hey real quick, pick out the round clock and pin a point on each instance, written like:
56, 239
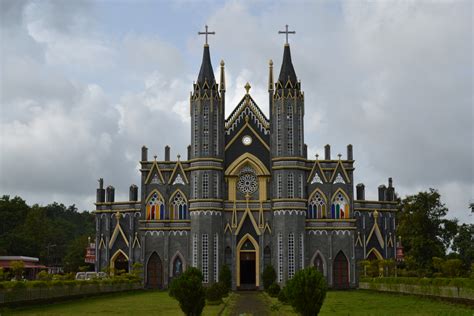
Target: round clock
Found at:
246, 140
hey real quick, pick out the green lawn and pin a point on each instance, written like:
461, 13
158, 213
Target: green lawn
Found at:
361, 302
129, 303
159, 303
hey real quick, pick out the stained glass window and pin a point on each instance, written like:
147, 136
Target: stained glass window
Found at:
317, 206
179, 206
340, 206
155, 207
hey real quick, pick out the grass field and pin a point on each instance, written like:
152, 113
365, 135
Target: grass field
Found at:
159, 303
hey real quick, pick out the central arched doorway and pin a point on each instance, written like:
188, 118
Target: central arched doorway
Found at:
248, 263
154, 270
341, 271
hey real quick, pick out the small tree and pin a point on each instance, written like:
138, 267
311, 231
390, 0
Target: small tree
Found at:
17, 268
306, 291
2, 274
188, 290
268, 276
225, 278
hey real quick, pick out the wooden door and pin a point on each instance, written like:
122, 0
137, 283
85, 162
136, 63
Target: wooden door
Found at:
341, 271
154, 272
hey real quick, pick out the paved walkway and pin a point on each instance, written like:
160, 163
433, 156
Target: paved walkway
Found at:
249, 303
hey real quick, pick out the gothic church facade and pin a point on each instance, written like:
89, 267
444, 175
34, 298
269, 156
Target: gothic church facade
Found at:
246, 196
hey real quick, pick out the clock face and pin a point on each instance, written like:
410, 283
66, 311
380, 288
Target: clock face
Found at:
246, 140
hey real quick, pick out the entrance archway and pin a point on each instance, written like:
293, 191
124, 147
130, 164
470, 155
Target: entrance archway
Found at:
119, 262
341, 271
154, 270
248, 263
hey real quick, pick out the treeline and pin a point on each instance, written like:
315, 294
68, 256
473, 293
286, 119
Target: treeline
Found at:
54, 233
433, 245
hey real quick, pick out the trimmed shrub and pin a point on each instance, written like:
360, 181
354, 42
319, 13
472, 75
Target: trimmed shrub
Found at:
268, 276
188, 290
214, 293
306, 291
273, 290
44, 276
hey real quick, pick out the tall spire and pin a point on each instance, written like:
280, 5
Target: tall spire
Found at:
287, 71
206, 73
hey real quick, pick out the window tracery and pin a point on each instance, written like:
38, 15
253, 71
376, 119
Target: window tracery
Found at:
340, 206
247, 183
155, 207
317, 206
179, 206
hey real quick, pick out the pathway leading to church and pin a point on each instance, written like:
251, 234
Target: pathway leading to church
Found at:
249, 303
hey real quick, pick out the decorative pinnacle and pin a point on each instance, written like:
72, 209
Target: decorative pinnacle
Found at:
155, 156
339, 155
270, 63
179, 156
222, 63
206, 32
317, 156
247, 87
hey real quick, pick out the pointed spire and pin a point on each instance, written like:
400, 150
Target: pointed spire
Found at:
206, 73
287, 71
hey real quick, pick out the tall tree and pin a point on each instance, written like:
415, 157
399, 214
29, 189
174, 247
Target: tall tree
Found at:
463, 244
424, 230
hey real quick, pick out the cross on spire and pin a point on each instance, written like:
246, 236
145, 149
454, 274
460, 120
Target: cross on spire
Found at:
206, 32
286, 32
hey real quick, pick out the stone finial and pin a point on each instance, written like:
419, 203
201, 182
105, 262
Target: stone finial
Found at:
317, 156
376, 214
179, 156
247, 87
155, 156
339, 155
117, 215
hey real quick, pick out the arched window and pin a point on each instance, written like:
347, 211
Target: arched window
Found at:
340, 206
155, 207
318, 263
278, 130
177, 266
179, 206
317, 206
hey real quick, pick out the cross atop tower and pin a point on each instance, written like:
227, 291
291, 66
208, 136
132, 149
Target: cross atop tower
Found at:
286, 32
206, 32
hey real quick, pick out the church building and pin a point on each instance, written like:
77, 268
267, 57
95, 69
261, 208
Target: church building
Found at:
247, 195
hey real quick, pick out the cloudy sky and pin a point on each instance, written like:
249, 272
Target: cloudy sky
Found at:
83, 85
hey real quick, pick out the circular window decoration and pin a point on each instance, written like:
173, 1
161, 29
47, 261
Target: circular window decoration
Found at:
247, 183
246, 140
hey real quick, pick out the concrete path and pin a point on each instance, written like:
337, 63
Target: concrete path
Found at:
249, 303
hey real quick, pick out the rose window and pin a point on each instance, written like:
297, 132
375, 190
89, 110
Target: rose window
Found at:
247, 183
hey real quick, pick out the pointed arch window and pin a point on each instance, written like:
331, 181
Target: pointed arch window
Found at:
179, 208
340, 206
317, 206
155, 207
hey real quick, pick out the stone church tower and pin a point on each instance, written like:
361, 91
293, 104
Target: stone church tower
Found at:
246, 196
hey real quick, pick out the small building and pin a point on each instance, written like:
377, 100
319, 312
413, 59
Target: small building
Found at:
31, 265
